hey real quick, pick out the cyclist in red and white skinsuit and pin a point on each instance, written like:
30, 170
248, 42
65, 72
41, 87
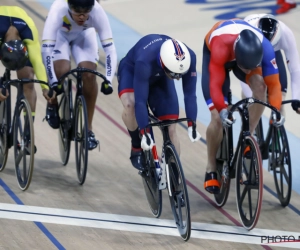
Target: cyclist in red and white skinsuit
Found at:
71, 26
234, 45
282, 39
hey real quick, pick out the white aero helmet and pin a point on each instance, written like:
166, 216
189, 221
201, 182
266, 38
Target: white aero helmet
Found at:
175, 58
268, 24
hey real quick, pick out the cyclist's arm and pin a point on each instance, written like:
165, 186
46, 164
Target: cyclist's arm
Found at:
271, 76
217, 73
102, 26
189, 81
289, 45
141, 93
52, 25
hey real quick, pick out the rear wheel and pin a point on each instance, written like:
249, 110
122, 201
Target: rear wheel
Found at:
81, 139
3, 135
65, 114
151, 185
249, 182
223, 172
178, 194
24, 148
280, 162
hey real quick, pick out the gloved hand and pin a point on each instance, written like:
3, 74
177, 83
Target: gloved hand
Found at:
106, 87
144, 144
190, 132
224, 118
278, 123
296, 106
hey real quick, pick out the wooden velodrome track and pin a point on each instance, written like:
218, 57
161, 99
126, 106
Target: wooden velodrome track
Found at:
110, 210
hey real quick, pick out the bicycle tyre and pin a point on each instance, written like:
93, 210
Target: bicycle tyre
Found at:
65, 114
3, 135
81, 139
249, 182
223, 172
23, 144
178, 197
151, 185
282, 169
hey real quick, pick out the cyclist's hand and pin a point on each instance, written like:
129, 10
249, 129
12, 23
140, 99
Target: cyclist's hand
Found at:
3, 97
296, 106
224, 118
278, 123
144, 144
45, 94
197, 135
106, 87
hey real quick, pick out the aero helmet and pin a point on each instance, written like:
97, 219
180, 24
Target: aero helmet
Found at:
270, 28
13, 54
175, 58
81, 6
248, 50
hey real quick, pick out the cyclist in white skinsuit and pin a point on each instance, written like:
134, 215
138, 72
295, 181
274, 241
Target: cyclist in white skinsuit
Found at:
71, 27
282, 38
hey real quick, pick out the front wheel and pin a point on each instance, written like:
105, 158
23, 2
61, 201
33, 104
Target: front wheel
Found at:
24, 148
3, 135
223, 174
280, 162
81, 139
151, 185
249, 182
66, 115
178, 194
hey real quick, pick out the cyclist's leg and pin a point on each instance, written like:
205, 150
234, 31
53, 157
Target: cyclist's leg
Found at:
29, 89
126, 95
214, 132
282, 68
85, 52
163, 102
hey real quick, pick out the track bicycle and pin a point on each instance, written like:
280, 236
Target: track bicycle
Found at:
17, 131
74, 121
244, 163
167, 174
275, 148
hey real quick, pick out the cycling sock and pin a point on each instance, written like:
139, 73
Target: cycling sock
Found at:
135, 138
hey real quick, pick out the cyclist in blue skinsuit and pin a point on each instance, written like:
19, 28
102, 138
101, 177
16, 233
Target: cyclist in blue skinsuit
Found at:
146, 77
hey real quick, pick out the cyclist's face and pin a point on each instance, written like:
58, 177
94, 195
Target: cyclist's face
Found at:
79, 18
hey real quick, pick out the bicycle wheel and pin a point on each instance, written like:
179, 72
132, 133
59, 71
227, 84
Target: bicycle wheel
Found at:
178, 194
223, 172
280, 162
24, 148
65, 114
151, 185
249, 182
3, 135
81, 139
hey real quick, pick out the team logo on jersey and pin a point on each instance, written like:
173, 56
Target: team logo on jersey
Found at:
273, 61
193, 73
179, 54
66, 23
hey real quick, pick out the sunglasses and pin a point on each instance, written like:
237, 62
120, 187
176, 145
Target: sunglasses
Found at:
80, 12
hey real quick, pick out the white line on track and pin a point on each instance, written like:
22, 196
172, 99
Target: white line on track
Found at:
142, 224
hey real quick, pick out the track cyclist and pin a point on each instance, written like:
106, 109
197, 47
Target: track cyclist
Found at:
235, 45
146, 77
20, 50
72, 25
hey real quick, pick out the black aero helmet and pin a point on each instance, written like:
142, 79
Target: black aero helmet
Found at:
270, 28
81, 6
13, 54
248, 50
